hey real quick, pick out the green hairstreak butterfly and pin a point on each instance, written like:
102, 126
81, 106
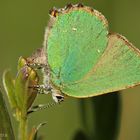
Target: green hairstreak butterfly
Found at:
83, 58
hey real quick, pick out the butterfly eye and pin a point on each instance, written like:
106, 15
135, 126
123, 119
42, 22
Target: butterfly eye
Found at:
60, 98
57, 97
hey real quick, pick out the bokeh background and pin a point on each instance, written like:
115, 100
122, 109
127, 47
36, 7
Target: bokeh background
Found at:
22, 25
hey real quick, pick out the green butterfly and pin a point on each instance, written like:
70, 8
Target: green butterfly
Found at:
82, 59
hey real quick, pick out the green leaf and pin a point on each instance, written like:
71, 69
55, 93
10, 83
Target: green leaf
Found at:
25, 96
26, 82
107, 115
100, 116
21, 87
6, 131
80, 135
21, 63
32, 93
8, 83
33, 135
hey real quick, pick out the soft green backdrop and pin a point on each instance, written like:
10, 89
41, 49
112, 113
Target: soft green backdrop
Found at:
22, 25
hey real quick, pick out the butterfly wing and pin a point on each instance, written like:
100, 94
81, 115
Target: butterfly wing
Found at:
117, 69
75, 41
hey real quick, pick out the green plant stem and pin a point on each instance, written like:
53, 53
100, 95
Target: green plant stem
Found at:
23, 128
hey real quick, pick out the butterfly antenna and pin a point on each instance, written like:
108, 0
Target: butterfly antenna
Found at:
42, 106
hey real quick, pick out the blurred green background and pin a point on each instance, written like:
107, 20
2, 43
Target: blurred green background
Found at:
22, 25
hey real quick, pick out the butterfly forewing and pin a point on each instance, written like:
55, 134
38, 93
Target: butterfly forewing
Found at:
76, 41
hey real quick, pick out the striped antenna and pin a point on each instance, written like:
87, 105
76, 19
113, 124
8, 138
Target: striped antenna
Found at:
42, 106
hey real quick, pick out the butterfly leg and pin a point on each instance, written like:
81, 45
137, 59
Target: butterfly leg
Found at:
57, 97
36, 66
45, 90
41, 89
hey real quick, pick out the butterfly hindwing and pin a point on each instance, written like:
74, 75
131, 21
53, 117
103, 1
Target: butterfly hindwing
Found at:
117, 69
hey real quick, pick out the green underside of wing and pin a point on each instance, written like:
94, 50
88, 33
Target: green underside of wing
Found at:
75, 43
118, 68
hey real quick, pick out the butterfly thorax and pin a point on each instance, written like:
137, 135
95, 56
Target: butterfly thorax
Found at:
39, 60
